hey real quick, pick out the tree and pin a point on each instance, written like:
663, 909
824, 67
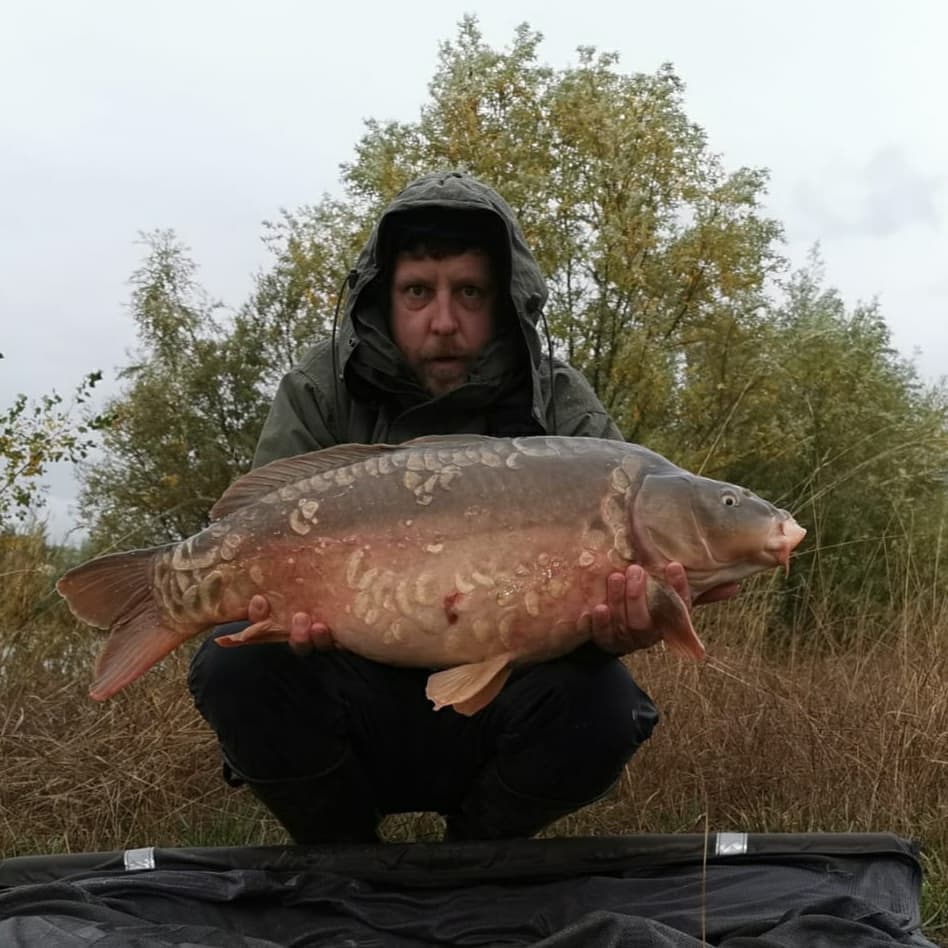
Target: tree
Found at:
646, 242
36, 434
293, 302
866, 458
188, 421
814, 408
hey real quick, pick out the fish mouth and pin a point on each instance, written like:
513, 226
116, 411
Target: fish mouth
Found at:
785, 536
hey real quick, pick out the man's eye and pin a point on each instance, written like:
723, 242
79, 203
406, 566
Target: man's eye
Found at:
416, 291
472, 292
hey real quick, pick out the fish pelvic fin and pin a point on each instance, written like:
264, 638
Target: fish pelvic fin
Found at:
114, 592
468, 688
672, 618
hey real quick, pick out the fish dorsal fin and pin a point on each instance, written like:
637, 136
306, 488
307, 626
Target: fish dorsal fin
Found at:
264, 480
449, 441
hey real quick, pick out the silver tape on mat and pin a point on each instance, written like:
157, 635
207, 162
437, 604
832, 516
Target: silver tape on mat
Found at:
730, 844
137, 859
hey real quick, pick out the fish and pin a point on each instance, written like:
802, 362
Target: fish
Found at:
465, 555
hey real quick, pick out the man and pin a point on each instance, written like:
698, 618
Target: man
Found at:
439, 335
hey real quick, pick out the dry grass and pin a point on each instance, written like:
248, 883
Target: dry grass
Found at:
757, 738
797, 740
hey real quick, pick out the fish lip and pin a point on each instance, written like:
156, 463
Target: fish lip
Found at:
785, 536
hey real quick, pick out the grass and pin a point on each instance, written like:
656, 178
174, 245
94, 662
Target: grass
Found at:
800, 736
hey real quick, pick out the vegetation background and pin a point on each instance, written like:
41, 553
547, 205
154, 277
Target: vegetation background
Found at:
824, 705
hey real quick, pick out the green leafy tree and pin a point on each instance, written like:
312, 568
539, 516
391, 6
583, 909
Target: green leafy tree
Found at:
866, 459
188, 420
37, 433
200, 386
293, 301
814, 407
647, 243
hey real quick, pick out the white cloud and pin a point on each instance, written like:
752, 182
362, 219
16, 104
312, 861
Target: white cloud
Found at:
879, 197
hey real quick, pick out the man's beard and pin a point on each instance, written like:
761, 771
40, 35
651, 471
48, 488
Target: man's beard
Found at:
442, 372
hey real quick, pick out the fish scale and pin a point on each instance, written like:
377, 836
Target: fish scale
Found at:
467, 555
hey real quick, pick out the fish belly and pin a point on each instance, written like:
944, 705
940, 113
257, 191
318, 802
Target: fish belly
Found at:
458, 601
417, 601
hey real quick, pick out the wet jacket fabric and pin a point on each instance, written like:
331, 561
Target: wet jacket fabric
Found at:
368, 394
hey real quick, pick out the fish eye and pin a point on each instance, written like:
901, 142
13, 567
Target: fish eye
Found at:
730, 499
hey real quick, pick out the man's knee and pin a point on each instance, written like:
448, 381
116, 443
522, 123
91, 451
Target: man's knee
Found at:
590, 693
273, 716
620, 712
613, 718
568, 727
221, 679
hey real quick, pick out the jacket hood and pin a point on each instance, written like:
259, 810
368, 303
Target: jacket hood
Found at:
368, 358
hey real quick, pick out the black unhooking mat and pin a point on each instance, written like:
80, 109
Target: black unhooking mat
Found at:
651, 891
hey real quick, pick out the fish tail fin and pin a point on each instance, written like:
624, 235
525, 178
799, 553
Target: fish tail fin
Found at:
670, 614
114, 592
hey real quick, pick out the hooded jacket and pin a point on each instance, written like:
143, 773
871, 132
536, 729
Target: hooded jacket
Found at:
367, 393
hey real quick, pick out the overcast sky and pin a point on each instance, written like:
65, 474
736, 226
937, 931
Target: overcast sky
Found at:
208, 117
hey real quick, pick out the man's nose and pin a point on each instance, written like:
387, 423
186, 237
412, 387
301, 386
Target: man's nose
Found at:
443, 318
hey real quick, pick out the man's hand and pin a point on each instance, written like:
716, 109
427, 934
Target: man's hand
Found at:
306, 633
623, 623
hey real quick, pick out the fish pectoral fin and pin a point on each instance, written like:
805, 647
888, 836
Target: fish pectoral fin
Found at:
672, 618
468, 688
260, 633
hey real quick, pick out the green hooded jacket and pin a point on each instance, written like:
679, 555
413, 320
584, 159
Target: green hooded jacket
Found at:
367, 394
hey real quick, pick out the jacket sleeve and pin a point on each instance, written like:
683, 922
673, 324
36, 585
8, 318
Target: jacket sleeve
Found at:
575, 410
299, 420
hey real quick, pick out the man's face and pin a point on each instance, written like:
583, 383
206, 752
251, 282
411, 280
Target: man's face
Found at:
442, 315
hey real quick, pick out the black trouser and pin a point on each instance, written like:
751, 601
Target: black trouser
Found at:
557, 736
